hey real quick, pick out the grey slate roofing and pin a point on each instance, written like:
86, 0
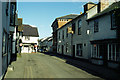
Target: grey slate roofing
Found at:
70, 16
30, 31
112, 7
46, 39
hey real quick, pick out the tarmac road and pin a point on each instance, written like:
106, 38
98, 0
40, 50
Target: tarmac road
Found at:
44, 66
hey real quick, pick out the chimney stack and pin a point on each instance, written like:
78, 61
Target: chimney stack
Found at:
102, 5
88, 6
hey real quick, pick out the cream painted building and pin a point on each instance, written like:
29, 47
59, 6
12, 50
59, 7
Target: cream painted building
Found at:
29, 39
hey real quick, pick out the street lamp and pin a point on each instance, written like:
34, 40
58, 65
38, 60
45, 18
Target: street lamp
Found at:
59, 41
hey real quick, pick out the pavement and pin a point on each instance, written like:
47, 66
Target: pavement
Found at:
40, 65
101, 71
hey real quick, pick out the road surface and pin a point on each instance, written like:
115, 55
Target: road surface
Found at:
44, 66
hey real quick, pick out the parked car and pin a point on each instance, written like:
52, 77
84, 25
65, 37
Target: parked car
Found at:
40, 50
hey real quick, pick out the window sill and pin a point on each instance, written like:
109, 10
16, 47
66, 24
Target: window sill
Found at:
117, 62
96, 58
113, 28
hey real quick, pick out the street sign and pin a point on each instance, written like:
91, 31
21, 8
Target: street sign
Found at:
70, 30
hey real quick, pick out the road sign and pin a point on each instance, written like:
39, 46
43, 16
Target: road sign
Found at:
70, 30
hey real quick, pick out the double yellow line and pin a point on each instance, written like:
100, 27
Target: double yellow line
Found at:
28, 72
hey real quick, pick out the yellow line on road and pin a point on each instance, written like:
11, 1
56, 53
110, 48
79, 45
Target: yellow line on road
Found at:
31, 72
28, 72
25, 72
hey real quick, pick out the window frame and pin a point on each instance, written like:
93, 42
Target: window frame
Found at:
67, 47
73, 28
96, 25
63, 35
66, 32
113, 24
79, 50
79, 26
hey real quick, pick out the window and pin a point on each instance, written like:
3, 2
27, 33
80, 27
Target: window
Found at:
73, 28
63, 35
59, 35
4, 43
66, 32
7, 8
79, 27
12, 15
66, 47
79, 49
58, 48
95, 52
114, 52
96, 28
113, 21
27, 38
115, 18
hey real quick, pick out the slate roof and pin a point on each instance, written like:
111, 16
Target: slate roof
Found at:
30, 31
70, 16
46, 39
112, 7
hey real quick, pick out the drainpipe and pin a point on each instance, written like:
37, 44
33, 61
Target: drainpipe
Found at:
72, 45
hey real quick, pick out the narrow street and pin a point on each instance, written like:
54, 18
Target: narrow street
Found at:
44, 66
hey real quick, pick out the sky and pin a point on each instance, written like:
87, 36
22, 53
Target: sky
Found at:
42, 14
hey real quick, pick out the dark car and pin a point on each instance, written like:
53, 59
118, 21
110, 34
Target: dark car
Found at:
40, 50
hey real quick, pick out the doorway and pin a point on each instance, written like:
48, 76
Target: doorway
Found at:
103, 52
73, 52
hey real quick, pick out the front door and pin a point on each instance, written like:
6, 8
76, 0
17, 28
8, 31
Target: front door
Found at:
103, 51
